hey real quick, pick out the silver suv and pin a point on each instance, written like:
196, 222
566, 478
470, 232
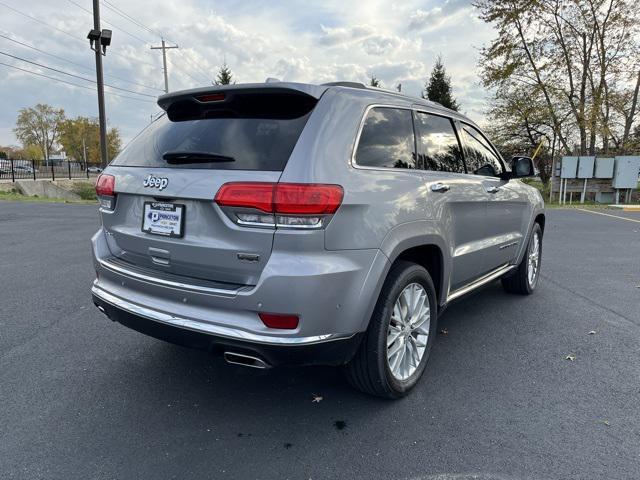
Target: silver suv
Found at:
285, 223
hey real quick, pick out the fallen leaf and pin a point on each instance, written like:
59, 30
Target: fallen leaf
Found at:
571, 357
316, 398
444, 331
592, 332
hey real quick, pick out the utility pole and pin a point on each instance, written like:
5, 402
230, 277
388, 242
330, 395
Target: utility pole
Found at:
99, 40
164, 49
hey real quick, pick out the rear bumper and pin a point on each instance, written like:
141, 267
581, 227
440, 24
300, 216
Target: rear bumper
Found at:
332, 351
332, 292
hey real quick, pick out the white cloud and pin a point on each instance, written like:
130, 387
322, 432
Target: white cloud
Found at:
420, 18
322, 41
381, 44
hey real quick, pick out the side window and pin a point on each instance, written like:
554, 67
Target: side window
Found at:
438, 146
387, 139
480, 157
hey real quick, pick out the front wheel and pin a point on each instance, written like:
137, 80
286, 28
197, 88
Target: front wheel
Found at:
525, 279
396, 347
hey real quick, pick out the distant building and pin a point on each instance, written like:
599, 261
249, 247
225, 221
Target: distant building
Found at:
57, 158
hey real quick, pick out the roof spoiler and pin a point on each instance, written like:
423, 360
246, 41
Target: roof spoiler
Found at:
261, 100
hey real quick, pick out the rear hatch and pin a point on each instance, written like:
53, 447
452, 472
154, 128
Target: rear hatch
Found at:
163, 218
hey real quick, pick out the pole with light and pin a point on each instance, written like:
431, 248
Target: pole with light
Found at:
99, 40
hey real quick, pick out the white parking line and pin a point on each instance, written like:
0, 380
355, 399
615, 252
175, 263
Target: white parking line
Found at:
609, 215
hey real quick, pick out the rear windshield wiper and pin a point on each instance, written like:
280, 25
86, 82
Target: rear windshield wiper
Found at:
178, 157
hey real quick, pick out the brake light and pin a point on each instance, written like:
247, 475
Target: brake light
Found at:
105, 190
211, 97
307, 199
280, 321
282, 198
105, 185
257, 195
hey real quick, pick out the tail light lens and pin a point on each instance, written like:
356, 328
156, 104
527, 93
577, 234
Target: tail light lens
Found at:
105, 190
292, 205
280, 321
258, 195
307, 199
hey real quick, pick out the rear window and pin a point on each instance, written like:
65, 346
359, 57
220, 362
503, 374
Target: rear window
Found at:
387, 139
246, 143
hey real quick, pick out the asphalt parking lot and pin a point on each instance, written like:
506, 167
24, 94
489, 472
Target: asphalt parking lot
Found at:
84, 398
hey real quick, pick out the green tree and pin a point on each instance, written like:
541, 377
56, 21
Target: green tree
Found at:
224, 77
438, 87
581, 57
518, 123
39, 125
31, 152
82, 129
374, 82
3, 155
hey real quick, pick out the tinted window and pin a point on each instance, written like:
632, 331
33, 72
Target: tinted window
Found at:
253, 143
480, 157
387, 139
438, 146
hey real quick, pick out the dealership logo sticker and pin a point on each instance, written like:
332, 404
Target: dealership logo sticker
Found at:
155, 182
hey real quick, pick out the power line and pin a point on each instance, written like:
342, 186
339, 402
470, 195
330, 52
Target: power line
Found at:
187, 74
194, 64
140, 24
38, 20
69, 35
74, 75
109, 23
126, 16
75, 63
73, 84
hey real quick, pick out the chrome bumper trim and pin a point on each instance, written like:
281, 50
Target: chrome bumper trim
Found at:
217, 330
168, 283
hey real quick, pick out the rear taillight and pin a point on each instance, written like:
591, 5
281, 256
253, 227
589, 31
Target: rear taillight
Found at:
293, 205
258, 195
105, 190
307, 199
280, 321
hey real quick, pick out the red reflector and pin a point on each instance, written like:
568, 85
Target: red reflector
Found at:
211, 97
276, 320
307, 199
105, 185
283, 198
246, 194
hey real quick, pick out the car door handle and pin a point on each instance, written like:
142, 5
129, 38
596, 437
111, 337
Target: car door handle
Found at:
440, 187
492, 189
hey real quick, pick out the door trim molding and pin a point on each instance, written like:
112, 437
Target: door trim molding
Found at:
489, 277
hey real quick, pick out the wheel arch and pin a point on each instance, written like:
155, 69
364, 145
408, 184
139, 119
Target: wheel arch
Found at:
419, 242
540, 219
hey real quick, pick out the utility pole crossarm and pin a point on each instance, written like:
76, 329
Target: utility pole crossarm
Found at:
164, 49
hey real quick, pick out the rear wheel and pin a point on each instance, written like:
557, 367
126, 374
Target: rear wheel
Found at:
525, 279
396, 347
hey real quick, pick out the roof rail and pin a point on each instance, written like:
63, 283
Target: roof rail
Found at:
344, 84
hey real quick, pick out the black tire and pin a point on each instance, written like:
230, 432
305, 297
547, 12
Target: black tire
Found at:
518, 281
369, 369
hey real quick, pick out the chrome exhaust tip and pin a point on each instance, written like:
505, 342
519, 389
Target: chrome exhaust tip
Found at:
245, 360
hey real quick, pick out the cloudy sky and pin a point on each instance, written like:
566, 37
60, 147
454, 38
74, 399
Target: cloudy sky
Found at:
305, 41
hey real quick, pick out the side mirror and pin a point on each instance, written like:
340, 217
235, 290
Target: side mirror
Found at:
522, 167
